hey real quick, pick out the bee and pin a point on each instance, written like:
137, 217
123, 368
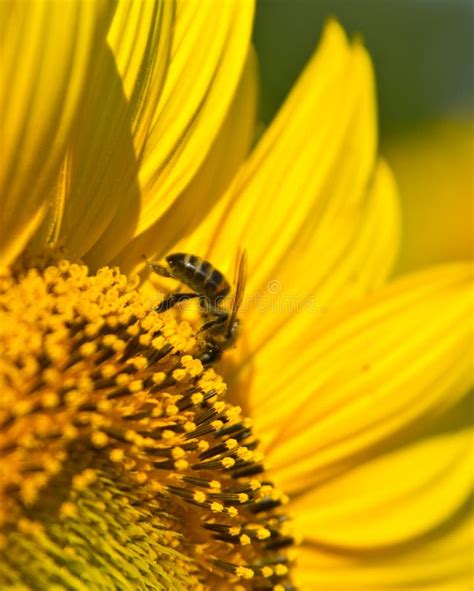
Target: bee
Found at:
208, 284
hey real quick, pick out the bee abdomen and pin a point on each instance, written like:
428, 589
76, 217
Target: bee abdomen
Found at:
199, 274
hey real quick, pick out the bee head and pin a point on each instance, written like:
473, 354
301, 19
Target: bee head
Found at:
210, 353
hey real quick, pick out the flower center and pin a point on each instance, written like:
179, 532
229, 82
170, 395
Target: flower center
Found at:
122, 458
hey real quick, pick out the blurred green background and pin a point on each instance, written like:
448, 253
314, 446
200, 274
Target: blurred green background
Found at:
423, 56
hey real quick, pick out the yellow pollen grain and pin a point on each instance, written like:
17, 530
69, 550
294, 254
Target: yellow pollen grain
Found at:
281, 569
112, 322
178, 453
193, 366
228, 462
199, 497
122, 379
158, 342
84, 384
203, 445
88, 349
231, 444
181, 465
244, 572
119, 346
138, 362
22, 408
145, 339
50, 400
159, 377
245, 540
135, 386
171, 410
99, 439
179, 374
116, 455
129, 464
93, 329
219, 406
179, 342
104, 405
84, 479
52, 465
267, 571
51, 376
215, 485
67, 509
245, 454
140, 477
133, 330
109, 340
217, 507
108, 370
189, 426
263, 533
70, 432
243, 497
197, 398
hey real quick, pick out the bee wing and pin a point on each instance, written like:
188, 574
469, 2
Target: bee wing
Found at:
239, 281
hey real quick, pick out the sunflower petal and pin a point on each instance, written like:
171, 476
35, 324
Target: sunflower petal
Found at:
210, 45
174, 231
101, 207
303, 206
442, 562
393, 498
373, 370
46, 62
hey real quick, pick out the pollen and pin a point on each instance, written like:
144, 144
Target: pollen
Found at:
108, 415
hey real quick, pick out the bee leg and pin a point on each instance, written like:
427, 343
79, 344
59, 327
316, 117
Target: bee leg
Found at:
220, 318
172, 299
159, 269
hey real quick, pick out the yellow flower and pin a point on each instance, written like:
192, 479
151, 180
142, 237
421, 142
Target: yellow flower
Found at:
129, 465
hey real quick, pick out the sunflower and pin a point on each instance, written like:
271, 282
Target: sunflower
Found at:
330, 449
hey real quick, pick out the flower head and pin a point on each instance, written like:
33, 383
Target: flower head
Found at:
326, 449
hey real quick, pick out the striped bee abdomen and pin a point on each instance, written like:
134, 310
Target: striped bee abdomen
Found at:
200, 275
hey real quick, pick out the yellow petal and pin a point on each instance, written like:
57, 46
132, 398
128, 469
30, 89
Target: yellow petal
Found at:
372, 370
304, 205
46, 63
101, 206
174, 231
305, 158
283, 311
393, 498
210, 45
439, 562
140, 38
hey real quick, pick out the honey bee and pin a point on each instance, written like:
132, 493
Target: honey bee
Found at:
208, 284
